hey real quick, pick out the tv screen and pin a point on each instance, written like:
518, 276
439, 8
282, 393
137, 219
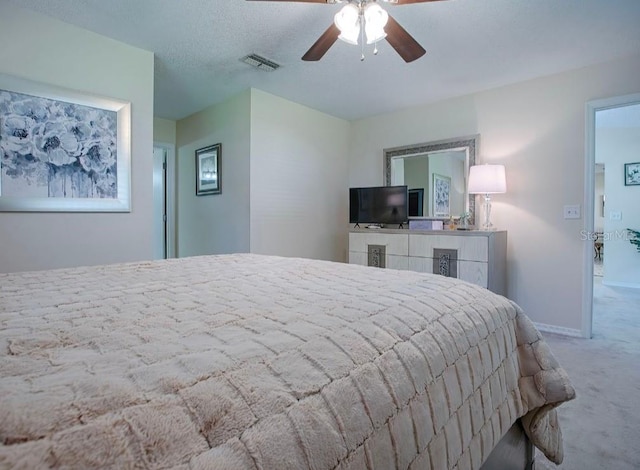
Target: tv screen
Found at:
416, 202
378, 205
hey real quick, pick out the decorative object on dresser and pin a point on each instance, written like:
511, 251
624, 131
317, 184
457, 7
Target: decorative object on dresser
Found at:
487, 180
208, 170
425, 224
476, 256
464, 221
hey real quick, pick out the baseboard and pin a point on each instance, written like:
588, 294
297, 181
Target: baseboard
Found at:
630, 285
559, 330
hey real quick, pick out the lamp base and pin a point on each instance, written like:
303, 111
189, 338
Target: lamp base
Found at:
487, 225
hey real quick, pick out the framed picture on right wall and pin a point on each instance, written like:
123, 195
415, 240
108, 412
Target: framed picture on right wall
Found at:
632, 174
208, 170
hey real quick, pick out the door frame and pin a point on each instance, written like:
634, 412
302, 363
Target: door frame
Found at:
170, 195
589, 198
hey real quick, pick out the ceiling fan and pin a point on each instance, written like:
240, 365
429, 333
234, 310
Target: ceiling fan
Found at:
360, 18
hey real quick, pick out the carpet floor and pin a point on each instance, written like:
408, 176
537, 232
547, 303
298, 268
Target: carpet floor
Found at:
601, 427
598, 267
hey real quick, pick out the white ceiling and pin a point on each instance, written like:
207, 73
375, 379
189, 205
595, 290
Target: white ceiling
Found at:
471, 45
621, 116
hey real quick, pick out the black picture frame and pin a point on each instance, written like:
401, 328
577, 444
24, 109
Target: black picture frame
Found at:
632, 174
208, 174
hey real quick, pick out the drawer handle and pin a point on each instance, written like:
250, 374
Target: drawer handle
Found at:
376, 255
445, 262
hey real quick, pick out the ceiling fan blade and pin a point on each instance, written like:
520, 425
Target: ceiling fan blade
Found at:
298, 1
403, 42
322, 45
407, 2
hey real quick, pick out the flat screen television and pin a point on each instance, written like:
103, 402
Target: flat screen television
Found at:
378, 205
416, 202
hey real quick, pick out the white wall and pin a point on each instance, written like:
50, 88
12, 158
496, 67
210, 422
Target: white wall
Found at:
416, 172
164, 130
537, 130
299, 180
217, 223
42, 49
598, 215
617, 146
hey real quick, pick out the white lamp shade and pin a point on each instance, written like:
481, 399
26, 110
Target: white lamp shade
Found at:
348, 22
350, 36
487, 179
375, 19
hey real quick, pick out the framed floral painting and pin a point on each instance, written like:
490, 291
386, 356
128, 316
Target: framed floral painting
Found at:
62, 150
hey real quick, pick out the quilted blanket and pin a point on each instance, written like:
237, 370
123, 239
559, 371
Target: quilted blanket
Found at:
256, 362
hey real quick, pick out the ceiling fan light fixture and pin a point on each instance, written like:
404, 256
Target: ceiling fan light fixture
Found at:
348, 22
375, 19
350, 36
374, 33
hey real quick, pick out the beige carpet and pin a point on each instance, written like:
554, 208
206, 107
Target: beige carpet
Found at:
601, 427
598, 268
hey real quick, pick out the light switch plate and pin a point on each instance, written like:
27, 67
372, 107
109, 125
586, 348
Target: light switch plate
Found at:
572, 212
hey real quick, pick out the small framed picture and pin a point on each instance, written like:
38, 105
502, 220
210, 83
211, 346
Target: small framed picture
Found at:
632, 174
208, 170
441, 194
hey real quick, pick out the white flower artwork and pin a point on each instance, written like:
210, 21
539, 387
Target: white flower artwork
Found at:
56, 149
62, 155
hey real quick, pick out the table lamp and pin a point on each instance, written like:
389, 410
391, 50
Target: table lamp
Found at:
487, 180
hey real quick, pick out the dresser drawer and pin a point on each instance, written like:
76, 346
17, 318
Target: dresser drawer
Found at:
479, 257
470, 271
396, 244
469, 248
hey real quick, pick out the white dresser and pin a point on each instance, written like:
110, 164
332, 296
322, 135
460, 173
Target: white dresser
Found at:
476, 256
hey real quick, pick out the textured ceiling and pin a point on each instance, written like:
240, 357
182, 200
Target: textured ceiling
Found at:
471, 45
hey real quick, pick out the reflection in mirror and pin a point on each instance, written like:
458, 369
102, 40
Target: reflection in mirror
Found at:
436, 175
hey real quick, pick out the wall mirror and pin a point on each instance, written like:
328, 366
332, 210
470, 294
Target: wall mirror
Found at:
436, 175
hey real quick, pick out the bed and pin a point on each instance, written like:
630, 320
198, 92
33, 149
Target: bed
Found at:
256, 362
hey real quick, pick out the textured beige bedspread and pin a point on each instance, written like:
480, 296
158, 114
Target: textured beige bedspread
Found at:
247, 361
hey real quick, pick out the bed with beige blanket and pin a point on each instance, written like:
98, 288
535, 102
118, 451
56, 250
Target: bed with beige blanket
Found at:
255, 362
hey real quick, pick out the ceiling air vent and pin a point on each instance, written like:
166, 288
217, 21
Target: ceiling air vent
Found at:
260, 62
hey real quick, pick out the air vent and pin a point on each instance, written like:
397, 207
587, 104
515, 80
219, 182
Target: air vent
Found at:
260, 62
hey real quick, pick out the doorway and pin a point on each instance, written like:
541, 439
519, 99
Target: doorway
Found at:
609, 122
163, 201
598, 217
